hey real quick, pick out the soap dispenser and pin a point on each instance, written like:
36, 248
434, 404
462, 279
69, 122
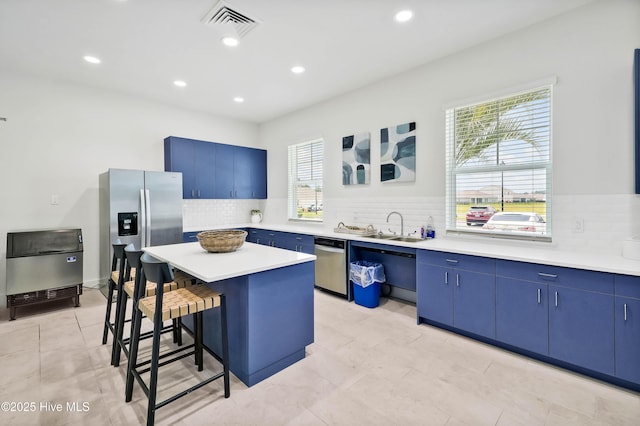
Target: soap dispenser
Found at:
431, 231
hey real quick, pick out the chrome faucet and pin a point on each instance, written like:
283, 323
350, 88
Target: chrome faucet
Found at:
401, 222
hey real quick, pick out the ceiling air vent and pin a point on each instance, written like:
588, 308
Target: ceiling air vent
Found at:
227, 17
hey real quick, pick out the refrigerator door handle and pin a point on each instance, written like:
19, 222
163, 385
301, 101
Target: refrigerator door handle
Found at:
147, 205
143, 220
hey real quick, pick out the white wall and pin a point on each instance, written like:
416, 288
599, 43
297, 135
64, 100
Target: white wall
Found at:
589, 52
58, 138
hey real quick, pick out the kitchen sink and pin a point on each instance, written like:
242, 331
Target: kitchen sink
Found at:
381, 236
391, 237
406, 239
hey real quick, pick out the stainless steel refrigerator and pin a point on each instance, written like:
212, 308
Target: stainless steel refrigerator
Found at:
139, 207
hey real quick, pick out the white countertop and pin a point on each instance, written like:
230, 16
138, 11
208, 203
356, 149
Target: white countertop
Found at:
209, 267
524, 251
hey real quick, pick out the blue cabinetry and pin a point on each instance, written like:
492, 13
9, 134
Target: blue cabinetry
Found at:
285, 240
196, 161
522, 309
190, 237
240, 172
580, 328
562, 313
627, 326
296, 242
399, 262
457, 290
214, 170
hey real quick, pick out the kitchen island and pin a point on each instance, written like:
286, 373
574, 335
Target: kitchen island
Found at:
269, 295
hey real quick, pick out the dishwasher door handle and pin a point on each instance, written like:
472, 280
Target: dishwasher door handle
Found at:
328, 249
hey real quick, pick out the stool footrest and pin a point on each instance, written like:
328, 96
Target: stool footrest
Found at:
188, 391
165, 355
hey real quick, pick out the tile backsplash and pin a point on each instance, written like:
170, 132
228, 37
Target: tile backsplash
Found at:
196, 213
608, 220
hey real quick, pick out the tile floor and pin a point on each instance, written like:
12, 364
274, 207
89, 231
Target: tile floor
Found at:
367, 366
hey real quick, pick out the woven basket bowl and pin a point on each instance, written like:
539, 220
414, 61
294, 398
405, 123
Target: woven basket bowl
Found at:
221, 241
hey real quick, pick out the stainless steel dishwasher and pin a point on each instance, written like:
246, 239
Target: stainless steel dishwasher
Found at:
331, 265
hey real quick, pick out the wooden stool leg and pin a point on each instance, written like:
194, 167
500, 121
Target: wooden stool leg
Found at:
107, 318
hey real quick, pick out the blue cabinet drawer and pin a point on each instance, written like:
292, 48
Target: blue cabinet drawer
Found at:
628, 286
460, 261
190, 237
600, 282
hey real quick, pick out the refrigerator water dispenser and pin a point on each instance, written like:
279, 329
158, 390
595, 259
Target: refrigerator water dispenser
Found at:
127, 224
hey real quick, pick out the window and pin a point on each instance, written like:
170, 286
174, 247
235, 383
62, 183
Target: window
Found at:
305, 180
499, 166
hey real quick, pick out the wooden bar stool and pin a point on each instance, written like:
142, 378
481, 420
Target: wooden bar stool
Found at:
175, 304
136, 290
116, 279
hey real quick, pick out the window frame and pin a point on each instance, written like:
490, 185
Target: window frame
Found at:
293, 181
453, 171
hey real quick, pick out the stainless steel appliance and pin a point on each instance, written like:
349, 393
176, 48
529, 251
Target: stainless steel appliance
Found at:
139, 207
43, 265
331, 265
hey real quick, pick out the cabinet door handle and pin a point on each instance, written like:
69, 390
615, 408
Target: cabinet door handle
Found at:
539, 295
556, 299
451, 261
544, 275
457, 280
193, 193
625, 311
446, 277
198, 193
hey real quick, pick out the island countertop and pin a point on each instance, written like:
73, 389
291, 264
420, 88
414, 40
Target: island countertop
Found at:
210, 267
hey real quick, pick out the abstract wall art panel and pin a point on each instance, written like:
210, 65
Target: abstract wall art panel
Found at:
356, 159
398, 153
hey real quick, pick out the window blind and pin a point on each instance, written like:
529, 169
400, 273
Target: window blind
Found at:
499, 155
305, 180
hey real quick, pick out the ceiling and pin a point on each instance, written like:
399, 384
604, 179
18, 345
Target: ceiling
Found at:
145, 45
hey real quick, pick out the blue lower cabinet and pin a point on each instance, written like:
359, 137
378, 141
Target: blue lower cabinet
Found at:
581, 328
474, 302
189, 237
295, 242
522, 318
285, 240
449, 294
627, 319
434, 297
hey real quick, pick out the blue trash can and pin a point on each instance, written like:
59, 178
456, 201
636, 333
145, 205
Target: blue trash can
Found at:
366, 278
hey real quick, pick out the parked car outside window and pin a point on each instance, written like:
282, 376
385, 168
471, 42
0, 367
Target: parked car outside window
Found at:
479, 214
516, 221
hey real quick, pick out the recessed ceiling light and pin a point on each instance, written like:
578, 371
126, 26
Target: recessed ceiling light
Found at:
238, 99
91, 59
230, 41
297, 69
404, 15
180, 83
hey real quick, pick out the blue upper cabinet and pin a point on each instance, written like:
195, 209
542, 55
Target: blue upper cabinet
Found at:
214, 170
196, 161
224, 172
241, 172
